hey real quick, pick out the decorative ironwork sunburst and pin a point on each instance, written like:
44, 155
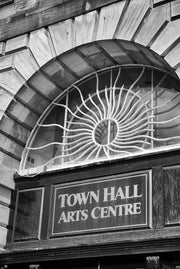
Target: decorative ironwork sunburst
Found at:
110, 122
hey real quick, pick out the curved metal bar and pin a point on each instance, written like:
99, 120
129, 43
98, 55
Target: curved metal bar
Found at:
80, 123
77, 135
126, 147
166, 121
74, 115
117, 151
99, 98
134, 122
46, 145
118, 103
84, 103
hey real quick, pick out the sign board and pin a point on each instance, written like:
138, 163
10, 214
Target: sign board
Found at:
120, 202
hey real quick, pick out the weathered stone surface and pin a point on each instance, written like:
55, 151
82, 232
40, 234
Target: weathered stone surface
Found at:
156, 20
14, 129
6, 63
175, 9
3, 235
44, 86
6, 184
178, 72
108, 21
167, 37
5, 99
10, 146
17, 43
85, 28
63, 36
7, 176
6, 9
8, 161
132, 19
4, 216
41, 46
11, 81
2, 48
173, 57
25, 5
5, 195
25, 63
32, 98
23, 114
77, 64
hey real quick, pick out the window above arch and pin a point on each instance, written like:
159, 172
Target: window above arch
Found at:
118, 112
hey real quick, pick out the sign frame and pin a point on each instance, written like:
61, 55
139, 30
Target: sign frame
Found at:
145, 175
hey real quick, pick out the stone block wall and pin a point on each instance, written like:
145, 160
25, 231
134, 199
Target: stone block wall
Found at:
6, 187
34, 32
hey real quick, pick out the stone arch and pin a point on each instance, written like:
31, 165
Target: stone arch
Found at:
28, 69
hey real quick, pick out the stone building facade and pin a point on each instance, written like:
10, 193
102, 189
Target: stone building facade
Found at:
45, 47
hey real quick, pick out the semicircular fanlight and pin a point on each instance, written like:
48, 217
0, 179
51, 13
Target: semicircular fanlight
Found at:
114, 113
